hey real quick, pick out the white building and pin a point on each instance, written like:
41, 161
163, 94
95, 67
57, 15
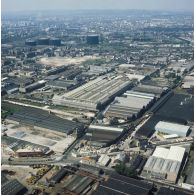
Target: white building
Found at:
172, 128
165, 163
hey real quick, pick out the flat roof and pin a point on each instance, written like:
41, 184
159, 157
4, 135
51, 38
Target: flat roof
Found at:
175, 153
12, 187
40, 118
118, 184
160, 152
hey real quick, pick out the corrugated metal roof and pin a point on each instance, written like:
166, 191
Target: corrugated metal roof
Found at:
105, 128
161, 152
176, 153
162, 125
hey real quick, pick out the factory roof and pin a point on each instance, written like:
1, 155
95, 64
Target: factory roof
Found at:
106, 128
40, 118
78, 183
176, 153
160, 152
58, 176
149, 89
118, 184
140, 94
12, 187
131, 101
172, 127
167, 191
98, 91
16, 144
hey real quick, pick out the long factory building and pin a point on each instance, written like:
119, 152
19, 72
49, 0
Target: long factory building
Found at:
102, 135
131, 103
42, 120
94, 94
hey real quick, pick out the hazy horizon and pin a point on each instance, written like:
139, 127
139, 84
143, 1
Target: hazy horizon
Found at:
47, 5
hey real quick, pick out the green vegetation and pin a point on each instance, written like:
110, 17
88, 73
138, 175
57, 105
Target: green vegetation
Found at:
124, 170
8, 109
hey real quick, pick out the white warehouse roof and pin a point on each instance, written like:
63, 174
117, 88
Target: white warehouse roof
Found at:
172, 128
161, 152
176, 153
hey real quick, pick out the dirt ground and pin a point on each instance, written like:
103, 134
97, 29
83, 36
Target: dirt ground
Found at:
59, 61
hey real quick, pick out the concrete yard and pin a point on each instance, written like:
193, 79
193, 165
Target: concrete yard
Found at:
56, 143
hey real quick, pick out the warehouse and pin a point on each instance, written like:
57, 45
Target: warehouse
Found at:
150, 89
57, 177
167, 191
129, 105
56, 70
102, 135
118, 184
164, 164
78, 183
13, 187
20, 147
32, 87
62, 84
99, 70
95, 94
172, 128
42, 120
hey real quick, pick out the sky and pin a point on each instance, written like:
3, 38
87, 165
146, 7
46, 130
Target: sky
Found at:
31, 5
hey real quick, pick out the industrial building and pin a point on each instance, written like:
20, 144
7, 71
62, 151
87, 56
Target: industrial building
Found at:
150, 89
118, 184
167, 191
57, 177
32, 87
29, 152
63, 84
55, 42
92, 39
30, 42
43, 41
172, 128
12, 187
95, 94
77, 184
102, 135
42, 120
164, 164
129, 105
23, 148
55, 70
98, 70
